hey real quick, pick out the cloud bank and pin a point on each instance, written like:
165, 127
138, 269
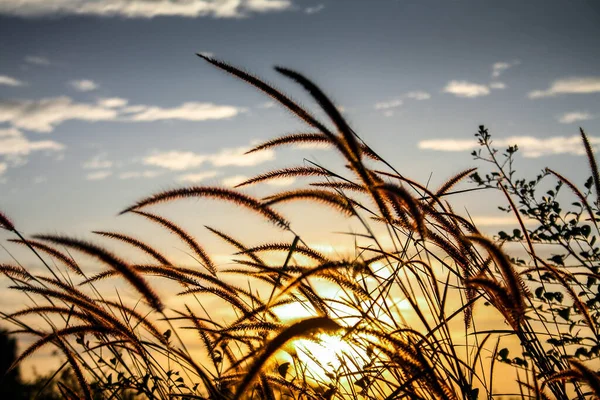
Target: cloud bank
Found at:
530, 147
499, 67
185, 160
10, 81
14, 143
466, 89
574, 85
84, 85
142, 8
574, 116
44, 115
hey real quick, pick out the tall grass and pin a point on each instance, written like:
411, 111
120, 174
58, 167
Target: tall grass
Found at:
427, 307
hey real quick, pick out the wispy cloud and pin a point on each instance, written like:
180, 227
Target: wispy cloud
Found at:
197, 177
3, 168
497, 85
9, 132
113, 102
574, 116
148, 174
507, 220
386, 105
267, 104
574, 85
499, 67
184, 160
10, 81
315, 9
14, 143
187, 111
529, 146
175, 160
99, 161
234, 180
97, 176
236, 157
37, 60
466, 89
83, 85
418, 95
143, 8
44, 114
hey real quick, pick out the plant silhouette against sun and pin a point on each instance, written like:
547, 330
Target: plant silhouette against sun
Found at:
404, 302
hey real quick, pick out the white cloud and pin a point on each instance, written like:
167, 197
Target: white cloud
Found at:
267, 104
448, 144
142, 8
185, 160
99, 161
10, 81
187, 111
14, 143
197, 177
497, 85
418, 95
530, 147
10, 132
499, 67
83, 85
466, 89
386, 105
570, 117
175, 160
508, 220
236, 157
113, 102
234, 180
44, 114
15, 147
97, 176
133, 109
315, 9
574, 85
140, 174
37, 60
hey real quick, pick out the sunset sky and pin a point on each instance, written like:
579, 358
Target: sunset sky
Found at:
103, 102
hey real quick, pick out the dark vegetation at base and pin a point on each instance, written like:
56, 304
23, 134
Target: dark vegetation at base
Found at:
413, 248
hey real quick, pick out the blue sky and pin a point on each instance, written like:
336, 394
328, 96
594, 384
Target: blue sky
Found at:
103, 102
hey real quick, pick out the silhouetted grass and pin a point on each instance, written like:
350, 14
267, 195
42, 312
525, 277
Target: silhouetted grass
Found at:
406, 308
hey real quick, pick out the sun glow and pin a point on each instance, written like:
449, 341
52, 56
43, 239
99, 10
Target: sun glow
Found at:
329, 357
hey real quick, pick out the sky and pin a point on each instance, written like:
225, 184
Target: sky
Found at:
103, 102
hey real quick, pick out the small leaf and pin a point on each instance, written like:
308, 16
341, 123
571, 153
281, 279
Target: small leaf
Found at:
283, 369
362, 382
564, 313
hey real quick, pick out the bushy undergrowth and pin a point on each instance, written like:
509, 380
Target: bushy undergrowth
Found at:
426, 308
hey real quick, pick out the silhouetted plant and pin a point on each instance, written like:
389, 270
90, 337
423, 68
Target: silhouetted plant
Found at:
403, 311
